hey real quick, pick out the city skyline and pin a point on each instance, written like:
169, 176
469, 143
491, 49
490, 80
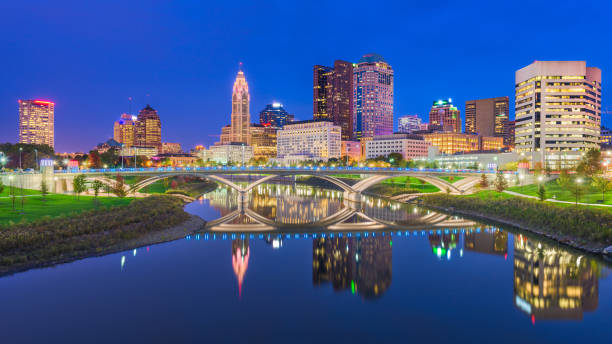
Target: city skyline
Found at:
196, 101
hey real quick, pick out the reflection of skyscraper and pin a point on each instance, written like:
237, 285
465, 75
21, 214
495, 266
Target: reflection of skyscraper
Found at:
240, 260
553, 284
443, 244
362, 264
492, 242
333, 260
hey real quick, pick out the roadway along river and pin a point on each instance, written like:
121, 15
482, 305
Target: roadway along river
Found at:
427, 278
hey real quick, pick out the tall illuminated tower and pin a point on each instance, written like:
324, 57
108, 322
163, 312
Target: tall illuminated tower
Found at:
36, 122
372, 97
333, 95
147, 131
240, 110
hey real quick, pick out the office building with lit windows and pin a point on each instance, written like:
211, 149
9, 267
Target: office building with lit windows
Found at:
451, 143
351, 150
372, 97
409, 146
263, 140
123, 130
605, 137
147, 130
408, 124
36, 122
275, 116
309, 140
444, 116
558, 111
332, 96
487, 117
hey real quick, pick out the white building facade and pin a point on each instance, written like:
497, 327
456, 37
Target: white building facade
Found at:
409, 146
237, 153
309, 140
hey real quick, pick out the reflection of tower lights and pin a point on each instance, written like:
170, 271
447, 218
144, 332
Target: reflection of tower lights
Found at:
240, 260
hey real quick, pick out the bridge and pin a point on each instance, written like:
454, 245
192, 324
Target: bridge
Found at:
61, 180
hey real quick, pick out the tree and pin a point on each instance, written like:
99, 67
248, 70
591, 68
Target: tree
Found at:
119, 187
602, 184
590, 164
541, 193
500, 182
1, 186
44, 190
96, 186
484, 182
564, 179
94, 159
79, 185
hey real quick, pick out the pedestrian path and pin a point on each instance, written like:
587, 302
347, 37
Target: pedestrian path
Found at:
556, 200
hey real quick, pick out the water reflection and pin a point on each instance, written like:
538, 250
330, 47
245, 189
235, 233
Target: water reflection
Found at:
550, 283
240, 260
278, 206
362, 264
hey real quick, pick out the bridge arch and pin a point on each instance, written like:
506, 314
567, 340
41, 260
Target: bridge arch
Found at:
364, 184
151, 180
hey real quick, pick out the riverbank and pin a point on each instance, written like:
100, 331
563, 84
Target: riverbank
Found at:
52, 241
586, 229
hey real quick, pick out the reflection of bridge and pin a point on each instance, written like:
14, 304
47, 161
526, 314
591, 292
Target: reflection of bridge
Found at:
369, 176
333, 222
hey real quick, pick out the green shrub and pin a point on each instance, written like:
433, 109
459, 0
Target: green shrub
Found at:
585, 223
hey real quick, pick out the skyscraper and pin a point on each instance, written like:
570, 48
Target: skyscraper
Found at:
487, 117
275, 116
372, 97
333, 95
240, 110
558, 111
409, 123
445, 116
36, 122
147, 130
123, 130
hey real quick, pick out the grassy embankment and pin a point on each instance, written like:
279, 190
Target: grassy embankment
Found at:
567, 223
554, 190
49, 240
54, 205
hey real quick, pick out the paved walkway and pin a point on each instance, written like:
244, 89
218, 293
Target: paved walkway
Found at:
556, 200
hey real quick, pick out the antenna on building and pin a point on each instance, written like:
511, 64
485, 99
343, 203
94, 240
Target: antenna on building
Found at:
130, 101
240, 66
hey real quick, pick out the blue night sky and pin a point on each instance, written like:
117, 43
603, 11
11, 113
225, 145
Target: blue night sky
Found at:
182, 56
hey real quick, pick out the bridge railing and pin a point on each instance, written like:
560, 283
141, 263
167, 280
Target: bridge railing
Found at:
275, 168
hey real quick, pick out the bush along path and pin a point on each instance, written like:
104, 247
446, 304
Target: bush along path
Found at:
51, 241
589, 229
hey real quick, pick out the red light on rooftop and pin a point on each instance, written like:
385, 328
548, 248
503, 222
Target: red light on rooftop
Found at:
43, 102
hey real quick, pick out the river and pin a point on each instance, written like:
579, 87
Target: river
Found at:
378, 272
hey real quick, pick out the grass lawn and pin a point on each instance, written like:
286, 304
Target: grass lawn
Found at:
413, 183
7, 190
56, 205
454, 178
494, 195
590, 194
157, 187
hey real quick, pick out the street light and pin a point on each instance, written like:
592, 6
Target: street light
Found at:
20, 150
578, 182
